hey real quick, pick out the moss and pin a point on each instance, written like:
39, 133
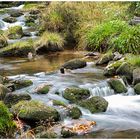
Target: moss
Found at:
44, 89
47, 134
75, 113
35, 111
76, 94
137, 88
58, 103
7, 126
3, 91
95, 104
117, 85
20, 49
10, 19
22, 83
14, 32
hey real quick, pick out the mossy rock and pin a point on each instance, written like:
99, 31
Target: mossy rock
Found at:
16, 13
3, 41
126, 69
59, 103
75, 94
66, 133
110, 69
74, 64
137, 88
136, 76
95, 104
20, 49
117, 85
10, 19
22, 83
35, 111
15, 32
43, 89
7, 126
47, 134
105, 59
75, 113
13, 98
3, 91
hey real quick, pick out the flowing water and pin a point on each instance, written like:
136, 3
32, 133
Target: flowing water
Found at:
122, 118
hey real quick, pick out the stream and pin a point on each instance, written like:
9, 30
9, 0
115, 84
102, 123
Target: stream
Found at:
122, 118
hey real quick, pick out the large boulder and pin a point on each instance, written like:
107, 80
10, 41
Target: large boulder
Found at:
35, 111
75, 113
136, 76
105, 59
7, 126
66, 133
16, 13
22, 83
117, 85
74, 64
110, 69
137, 88
76, 94
126, 70
13, 98
94, 104
10, 19
15, 32
3, 91
3, 41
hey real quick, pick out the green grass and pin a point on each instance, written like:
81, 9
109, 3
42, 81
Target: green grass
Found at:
7, 126
50, 38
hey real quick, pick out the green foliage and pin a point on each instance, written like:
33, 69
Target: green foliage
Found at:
128, 41
7, 126
59, 103
98, 38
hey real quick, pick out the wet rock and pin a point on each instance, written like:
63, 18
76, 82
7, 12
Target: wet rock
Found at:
7, 126
10, 19
110, 69
28, 34
16, 13
3, 91
75, 113
66, 133
74, 64
35, 111
105, 59
43, 89
59, 103
29, 20
34, 12
15, 32
126, 70
13, 98
94, 104
10, 86
117, 56
3, 41
22, 83
136, 76
76, 94
137, 88
117, 85
92, 54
